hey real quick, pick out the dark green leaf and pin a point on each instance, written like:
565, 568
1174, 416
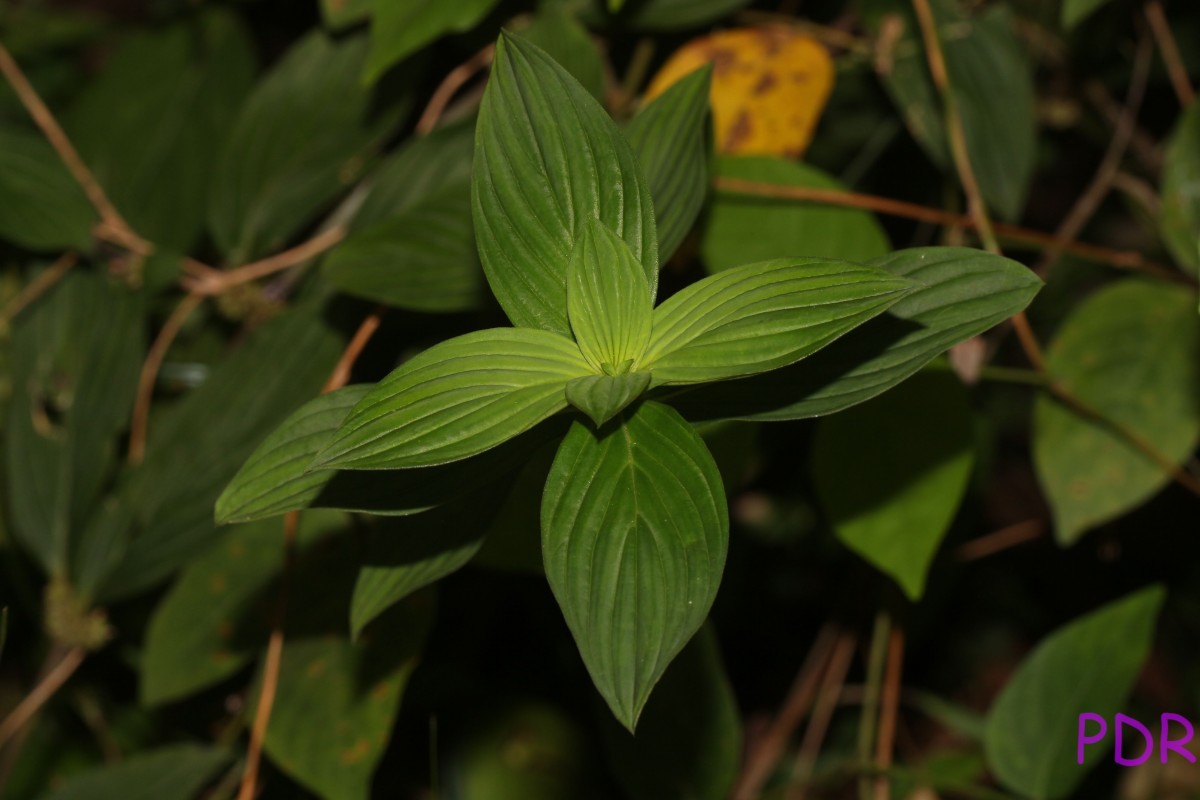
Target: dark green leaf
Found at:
602, 397
533, 192
76, 355
742, 228
568, 43
400, 28
634, 534
1131, 352
1087, 666
152, 124
958, 293
299, 141
892, 472
672, 140
1180, 212
175, 772
44, 208
690, 738
763, 316
1076, 11
457, 399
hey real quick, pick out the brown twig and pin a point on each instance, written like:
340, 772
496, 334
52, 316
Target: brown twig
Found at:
149, 374
889, 712
1143, 146
112, 219
449, 87
218, 282
45, 689
1088, 202
761, 761
341, 373
1170, 53
828, 697
1001, 540
1119, 259
38, 286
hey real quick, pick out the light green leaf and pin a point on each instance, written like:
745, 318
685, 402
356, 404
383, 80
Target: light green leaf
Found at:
400, 28
198, 444
1087, 666
568, 43
689, 741
891, 473
422, 259
634, 534
992, 83
76, 354
608, 300
1131, 351
174, 772
301, 139
602, 397
743, 228
957, 293
672, 139
1076, 11
209, 625
759, 317
44, 208
336, 702
457, 399
1180, 211
152, 124
533, 191
340, 14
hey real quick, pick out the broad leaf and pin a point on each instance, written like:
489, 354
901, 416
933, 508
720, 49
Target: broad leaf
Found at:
634, 534
763, 316
198, 444
1131, 352
690, 735
152, 124
569, 43
211, 622
76, 355
533, 191
1076, 11
608, 301
957, 293
44, 208
422, 259
400, 28
891, 473
742, 228
299, 141
1180, 211
602, 397
672, 140
175, 771
336, 702
457, 399
993, 87
1087, 666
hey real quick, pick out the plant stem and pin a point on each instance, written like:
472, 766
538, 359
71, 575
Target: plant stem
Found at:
149, 374
876, 656
889, 710
1170, 53
38, 286
1025, 377
826, 704
50, 683
450, 85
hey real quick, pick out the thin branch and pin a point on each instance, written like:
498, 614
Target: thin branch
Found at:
149, 375
219, 282
341, 373
1001, 540
1088, 202
761, 761
455, 80
1170, 53
828, 697
110, 217
45, 689
1119, 259
876, 655
38, 286
889, 711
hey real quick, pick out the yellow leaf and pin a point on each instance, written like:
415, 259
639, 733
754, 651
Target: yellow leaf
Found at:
769, 87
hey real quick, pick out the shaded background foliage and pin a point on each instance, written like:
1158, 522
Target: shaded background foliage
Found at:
1006, 541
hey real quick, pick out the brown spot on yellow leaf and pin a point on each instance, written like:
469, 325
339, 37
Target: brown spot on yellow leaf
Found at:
769, 87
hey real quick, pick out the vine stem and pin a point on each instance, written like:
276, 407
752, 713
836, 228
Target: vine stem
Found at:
1120, 259
1170, 53
218, 281
1029, 342
53, 680
998, 541
38, 286
455, 80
